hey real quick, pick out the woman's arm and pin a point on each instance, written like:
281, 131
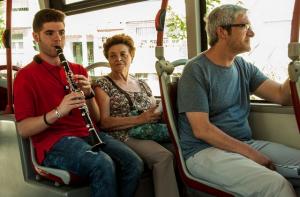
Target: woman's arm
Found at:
116, 123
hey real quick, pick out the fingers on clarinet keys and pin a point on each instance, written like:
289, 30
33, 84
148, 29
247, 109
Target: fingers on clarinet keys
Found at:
75, 78
78, 96
74, 89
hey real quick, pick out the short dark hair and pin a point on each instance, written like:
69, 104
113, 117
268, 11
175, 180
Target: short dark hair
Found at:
119, 39
46, 15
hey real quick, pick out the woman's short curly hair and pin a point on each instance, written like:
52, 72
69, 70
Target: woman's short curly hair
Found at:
119, 39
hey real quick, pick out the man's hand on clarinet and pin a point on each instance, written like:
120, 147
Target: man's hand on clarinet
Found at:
84, 84
71, 101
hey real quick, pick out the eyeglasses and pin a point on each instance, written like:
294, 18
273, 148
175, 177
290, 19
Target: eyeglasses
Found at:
246, 26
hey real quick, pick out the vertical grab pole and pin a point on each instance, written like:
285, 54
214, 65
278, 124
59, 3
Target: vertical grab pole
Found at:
294, 66
7, 44
159, 25
159, 49
295, 23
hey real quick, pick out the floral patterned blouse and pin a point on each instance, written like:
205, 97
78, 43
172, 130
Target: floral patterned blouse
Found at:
119, 104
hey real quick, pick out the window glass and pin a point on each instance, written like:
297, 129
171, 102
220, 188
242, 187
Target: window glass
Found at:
77, 52
136, 20
20, 5
86, 33
17, 41
90, 50
2, 23
21, 34
271, 23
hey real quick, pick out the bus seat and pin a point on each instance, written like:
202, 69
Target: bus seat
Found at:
69, 185
57, 175
17, 174
3, 95
97, 69
3, 84
32, 169
168, 88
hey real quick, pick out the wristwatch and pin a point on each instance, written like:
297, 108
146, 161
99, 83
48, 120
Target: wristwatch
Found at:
92, 94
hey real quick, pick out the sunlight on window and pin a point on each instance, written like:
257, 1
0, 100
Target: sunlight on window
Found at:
136, 20
21, 39
86, 33
272, 33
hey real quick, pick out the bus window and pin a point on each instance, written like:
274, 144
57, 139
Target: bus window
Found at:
136, 20
2, 22
269, 46
21, 38
86, 33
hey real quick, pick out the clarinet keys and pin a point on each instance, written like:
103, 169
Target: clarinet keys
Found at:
95, 140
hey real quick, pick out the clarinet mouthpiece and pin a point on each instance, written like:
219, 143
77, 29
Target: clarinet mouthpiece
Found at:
58, 49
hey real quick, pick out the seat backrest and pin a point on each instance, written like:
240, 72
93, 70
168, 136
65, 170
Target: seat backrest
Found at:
57, 175
24, 147
169, 102
3, 96
92, 70
32, 170
3, 84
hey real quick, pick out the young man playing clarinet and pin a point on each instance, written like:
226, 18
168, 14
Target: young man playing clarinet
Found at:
48, 112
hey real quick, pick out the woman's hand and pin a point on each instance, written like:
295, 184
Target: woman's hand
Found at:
150, 116
84, 84
71, 101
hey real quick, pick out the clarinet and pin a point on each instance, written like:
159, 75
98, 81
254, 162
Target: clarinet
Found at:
94, 138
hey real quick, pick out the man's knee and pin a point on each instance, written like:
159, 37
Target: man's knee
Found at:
135, 167
277, 185
286, 189
102, 166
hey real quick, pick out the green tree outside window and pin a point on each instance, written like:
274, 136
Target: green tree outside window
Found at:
176, 25
2, 23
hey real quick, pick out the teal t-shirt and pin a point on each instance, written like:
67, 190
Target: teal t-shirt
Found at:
222, 92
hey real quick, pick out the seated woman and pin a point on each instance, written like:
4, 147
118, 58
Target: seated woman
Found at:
116, 93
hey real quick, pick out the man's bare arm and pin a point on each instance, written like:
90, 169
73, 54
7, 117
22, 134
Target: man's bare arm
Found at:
275, 92
204, 130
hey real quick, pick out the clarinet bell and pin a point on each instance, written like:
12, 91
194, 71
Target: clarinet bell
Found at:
96, 142
97, 147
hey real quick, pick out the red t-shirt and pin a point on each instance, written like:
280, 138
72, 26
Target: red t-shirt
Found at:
38, 89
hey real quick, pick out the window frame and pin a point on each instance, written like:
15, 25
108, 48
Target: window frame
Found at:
87, 5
